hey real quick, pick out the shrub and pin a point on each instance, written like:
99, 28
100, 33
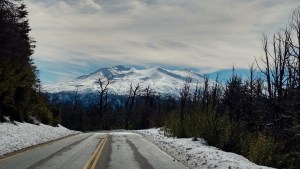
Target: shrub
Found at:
172, 123
262, 150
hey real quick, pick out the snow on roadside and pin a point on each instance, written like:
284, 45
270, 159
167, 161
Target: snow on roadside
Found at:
16, 137
196, 154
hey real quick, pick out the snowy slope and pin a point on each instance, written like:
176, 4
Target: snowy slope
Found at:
161, 80
16, 137
196, 154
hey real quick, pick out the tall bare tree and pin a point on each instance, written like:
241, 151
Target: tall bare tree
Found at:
103, 82
184, 98
294, 42
148, 95
129, 103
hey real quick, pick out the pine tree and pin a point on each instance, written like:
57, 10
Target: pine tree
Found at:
18, 79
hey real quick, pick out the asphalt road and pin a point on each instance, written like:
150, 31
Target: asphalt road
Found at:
111, 150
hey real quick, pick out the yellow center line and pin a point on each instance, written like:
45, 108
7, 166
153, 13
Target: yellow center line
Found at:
99, 153
95, 156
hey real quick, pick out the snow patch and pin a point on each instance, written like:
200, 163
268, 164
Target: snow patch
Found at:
197, 154
6, 118
16, 137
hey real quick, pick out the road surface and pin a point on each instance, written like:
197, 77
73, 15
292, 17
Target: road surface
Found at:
94, 150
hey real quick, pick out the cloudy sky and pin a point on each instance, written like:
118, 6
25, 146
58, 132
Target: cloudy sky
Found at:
76, 37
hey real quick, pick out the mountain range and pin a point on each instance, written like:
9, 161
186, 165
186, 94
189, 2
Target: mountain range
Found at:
161, 80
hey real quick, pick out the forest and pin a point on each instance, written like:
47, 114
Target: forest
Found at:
257, 116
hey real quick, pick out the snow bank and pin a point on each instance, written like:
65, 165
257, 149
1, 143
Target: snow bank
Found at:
16, 137
196, 154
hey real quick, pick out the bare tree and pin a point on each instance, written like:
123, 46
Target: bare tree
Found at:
184, 98
265, 61
276, 62
148, 94
103, 82
205, 94
129, 103
196, 94
251, 87
295, 43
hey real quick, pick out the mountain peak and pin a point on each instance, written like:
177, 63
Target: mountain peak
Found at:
186, 70
120, 68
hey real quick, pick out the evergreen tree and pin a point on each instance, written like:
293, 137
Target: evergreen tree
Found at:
18, 79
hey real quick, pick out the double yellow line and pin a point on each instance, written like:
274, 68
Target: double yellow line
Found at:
91, 163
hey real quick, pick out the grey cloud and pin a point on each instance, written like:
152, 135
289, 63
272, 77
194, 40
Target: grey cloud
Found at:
189, 33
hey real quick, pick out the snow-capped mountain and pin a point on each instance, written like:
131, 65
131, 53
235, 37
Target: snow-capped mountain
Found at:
161, 80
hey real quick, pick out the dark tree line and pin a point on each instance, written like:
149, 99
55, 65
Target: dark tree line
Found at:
19, 86
139, 108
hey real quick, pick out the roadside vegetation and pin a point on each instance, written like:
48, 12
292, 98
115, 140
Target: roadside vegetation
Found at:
258, 117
